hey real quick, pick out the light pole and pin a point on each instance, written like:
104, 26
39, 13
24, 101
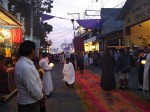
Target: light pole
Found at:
74, 14
72, 20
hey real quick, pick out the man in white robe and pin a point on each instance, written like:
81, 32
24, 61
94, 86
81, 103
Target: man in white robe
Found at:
62, 58
69, 73
146, 74
47, 80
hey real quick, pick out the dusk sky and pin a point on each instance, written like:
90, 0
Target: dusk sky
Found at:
63, 28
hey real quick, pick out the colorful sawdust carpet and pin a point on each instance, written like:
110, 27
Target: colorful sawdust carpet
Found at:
95, 99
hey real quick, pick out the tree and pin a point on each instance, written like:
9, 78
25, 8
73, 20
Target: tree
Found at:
40, 29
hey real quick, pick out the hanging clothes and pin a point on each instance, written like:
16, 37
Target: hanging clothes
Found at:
16, 35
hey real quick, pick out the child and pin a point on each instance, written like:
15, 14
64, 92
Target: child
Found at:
69, 73
41, 73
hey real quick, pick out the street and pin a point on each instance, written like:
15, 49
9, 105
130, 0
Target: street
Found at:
66, 99
62, 99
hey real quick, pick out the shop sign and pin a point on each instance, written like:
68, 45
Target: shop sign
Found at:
140, 12
90, 40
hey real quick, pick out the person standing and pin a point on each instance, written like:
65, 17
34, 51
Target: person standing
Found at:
131, 53
27, 80
81, 62
41, 73
122, 64
47, 80
107, 64
3, 67
68, 73
90, 55
72, 59
142, 57
146, 73
62, 58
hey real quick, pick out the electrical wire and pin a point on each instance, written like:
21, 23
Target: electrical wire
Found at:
59, 33
63, 34
60, 25
79, 8
105, 3
69, 5
110, 13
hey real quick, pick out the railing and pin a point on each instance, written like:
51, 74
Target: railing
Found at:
7, 85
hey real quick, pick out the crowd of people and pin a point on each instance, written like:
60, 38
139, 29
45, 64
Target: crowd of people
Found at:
33, 74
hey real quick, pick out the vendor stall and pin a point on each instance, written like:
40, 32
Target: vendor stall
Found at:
10, 38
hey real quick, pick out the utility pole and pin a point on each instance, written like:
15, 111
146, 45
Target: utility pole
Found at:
74, 14
72, 20
31, 27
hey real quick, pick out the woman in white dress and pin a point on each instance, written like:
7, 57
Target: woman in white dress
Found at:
47, 80
69, 73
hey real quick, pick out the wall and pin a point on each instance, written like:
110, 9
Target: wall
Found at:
139, 13
112, 24
140, 34
78, 44
137, 22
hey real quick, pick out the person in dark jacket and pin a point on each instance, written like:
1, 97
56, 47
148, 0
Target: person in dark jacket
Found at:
80, 62
141, 64
122, 63
72, 59
107, 64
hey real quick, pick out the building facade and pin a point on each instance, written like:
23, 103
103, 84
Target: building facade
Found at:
111, 32
136, 16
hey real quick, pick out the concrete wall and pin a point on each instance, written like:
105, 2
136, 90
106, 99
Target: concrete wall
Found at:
112, 24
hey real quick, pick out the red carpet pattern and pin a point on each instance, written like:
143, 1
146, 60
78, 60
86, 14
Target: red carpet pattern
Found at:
95, 99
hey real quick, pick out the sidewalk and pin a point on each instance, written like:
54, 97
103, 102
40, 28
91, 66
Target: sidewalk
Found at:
133, 81
63, 99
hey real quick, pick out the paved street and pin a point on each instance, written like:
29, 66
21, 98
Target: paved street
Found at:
63, 99
66, 99
133, 81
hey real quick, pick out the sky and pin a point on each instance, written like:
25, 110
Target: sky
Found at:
63, 28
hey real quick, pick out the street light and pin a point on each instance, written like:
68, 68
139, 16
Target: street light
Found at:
72, 20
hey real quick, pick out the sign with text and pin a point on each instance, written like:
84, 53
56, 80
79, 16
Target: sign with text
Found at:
139, 13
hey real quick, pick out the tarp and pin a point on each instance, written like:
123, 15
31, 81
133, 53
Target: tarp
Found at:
46, 17
8, 19
86, 23
91, 23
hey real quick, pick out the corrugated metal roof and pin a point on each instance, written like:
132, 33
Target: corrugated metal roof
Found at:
126, 8
7, 19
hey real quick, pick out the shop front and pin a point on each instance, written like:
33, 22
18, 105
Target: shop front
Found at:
137, 22
10, 34
10, 38
91, 44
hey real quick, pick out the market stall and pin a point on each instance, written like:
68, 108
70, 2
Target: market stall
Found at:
10, 38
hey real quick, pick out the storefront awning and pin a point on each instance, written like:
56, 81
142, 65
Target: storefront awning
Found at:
7, 19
